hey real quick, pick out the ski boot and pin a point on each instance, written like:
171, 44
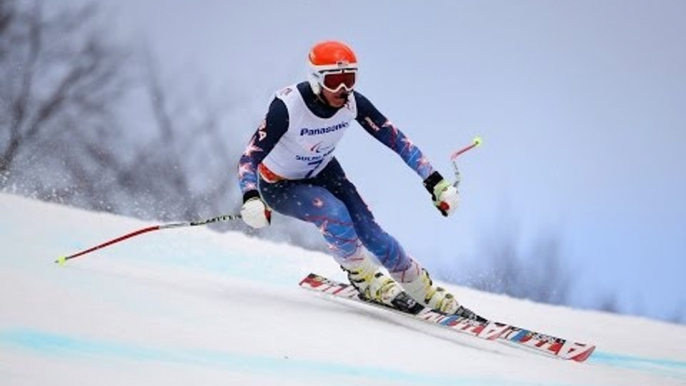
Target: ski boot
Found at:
437, 298
372, 284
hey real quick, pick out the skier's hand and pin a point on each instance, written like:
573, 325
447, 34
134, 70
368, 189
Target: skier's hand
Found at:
254, 211
443, 193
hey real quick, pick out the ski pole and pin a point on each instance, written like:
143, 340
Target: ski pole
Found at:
476, 142
229, 217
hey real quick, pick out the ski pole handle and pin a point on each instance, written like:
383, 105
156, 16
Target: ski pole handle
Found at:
229, 217
476, 142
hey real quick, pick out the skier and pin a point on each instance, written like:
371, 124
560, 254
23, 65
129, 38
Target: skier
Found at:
289, 167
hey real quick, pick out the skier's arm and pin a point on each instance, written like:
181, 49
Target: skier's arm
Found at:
261, 143
442, 192
385, 132
254, 211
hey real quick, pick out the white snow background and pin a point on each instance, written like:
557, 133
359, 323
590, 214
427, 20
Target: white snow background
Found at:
191, 306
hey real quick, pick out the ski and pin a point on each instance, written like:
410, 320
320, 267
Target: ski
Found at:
463, 321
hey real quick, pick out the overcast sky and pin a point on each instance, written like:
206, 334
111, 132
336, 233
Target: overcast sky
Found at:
581, 106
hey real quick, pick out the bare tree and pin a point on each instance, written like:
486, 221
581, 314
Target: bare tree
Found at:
678, 316
182, 169
59, 81
66, 135
537, 274
62, 88
609, 303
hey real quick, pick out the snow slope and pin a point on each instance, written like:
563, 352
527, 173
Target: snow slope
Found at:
192, 306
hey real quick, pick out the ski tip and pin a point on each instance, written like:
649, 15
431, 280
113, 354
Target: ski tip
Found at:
584, 355
62, 261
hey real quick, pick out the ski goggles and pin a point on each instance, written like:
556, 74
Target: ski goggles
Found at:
334, 80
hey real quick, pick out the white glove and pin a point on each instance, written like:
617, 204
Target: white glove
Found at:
444, 194
447, 197
256, 213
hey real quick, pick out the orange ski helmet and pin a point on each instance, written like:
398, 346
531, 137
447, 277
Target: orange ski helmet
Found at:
333, 65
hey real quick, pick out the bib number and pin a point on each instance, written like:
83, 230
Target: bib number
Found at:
316, 165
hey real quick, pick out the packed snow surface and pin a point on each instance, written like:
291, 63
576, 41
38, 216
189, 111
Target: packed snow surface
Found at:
190, 306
